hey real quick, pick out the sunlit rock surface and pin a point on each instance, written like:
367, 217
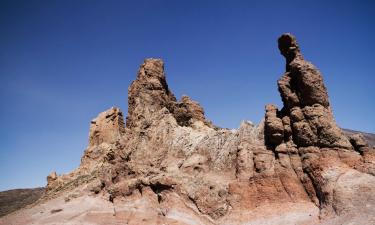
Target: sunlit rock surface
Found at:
170, 165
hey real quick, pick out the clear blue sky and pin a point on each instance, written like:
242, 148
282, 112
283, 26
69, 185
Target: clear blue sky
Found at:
63, 62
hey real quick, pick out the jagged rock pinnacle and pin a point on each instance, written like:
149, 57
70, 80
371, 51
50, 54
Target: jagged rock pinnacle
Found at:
306, 102
149, 93
288, 47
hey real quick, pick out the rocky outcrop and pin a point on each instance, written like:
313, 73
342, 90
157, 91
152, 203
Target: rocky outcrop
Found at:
150, 93
274, 127
306, 103
106, 130
108, 127
306, 123
52, 181
169, 164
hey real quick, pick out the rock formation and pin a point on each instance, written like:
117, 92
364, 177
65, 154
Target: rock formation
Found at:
149, 93
306, 110
306, 122
105, 131
170, 165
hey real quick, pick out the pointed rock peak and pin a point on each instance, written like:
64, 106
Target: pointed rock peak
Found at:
151, 75
288, 46
107, 127
148, 93
152, 68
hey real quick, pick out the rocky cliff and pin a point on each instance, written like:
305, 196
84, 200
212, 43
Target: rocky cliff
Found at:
170, 165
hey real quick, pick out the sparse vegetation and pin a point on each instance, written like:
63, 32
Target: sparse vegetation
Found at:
13, 200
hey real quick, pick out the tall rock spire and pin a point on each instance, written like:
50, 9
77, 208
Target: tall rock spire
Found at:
306, 108
148, 93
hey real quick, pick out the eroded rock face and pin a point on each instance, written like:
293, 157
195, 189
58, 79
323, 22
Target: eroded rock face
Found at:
274, 128
106, 130
150, 93
295, 167
108, 127
306, 102
326, 153
52, 180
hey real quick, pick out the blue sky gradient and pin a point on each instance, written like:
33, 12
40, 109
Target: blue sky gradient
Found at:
63, 62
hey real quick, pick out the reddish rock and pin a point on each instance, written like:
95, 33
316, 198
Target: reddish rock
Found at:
326, 153
274, 128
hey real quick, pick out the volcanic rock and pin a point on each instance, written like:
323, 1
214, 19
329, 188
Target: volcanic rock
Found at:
105, 131
169, 165
327, 154
150, 93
